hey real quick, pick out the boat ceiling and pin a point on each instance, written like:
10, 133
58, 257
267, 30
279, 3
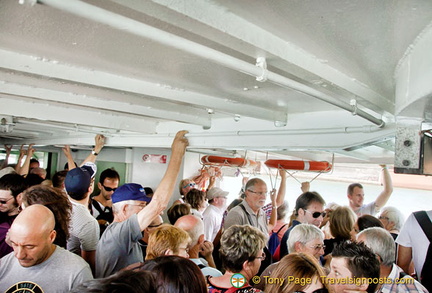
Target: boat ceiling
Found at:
306, 79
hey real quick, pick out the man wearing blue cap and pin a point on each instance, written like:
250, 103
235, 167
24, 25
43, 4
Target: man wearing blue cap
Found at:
133, 213
84, 230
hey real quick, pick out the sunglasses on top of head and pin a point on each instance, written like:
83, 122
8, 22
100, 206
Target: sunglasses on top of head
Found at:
189, 185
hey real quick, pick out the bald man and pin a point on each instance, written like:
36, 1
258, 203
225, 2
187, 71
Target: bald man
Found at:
36, 264
194, 226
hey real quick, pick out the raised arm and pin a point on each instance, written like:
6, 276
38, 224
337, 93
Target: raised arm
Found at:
388, 188
8, 148
273, 215
282, 188
22, 153
99, 144
25, 168
70, 161
165, 189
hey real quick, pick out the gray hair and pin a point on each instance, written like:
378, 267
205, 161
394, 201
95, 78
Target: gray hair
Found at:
394, 215
303, 233
381, 242
118, 206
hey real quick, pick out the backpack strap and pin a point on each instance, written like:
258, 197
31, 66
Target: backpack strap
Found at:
280, 229
426, 225
247, 214
96, 205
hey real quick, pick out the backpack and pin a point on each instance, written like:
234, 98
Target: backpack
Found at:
274, 241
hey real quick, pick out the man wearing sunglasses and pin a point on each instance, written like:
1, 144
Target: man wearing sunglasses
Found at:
11, 186
101, 203
309, 209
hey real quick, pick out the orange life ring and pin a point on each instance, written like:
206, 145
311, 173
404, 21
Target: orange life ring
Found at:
322, 166
225, 161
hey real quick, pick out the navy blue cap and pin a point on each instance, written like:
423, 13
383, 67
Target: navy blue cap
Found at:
130, 191
78, 179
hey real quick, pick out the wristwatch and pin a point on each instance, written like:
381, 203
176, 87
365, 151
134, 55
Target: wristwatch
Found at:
94, 153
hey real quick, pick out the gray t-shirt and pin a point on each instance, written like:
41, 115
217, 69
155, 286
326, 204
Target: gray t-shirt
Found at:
238, 216
119, 247
62, 272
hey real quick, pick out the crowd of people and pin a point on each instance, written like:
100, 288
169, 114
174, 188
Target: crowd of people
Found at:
56, 237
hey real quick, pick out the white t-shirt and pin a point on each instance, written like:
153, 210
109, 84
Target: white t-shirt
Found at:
212, 218
412, 235
367, 209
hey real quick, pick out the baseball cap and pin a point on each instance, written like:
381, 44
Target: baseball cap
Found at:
216, 192
130, 191
78, 179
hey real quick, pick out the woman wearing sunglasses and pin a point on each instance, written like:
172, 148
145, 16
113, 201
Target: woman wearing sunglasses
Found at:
300, 272
184, 187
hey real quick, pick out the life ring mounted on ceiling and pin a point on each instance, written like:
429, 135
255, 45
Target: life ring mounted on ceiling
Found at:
317, 166
227, 161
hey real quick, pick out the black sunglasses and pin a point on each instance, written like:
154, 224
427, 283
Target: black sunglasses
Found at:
317, 214
5, 201
321, 290
108, 188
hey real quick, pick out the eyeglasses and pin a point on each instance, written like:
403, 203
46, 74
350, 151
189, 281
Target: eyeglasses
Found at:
189, 185
381, 217
5, 201
262, 257
317, 214
318, 247
109, 189
321, 290
155, 226
139, 205
259, 193
185, 249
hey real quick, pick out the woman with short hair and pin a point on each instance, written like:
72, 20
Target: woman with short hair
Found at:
241, 253
168, 240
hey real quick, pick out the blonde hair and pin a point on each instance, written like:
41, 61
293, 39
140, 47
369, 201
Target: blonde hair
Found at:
342, 221
166, 237
299, 266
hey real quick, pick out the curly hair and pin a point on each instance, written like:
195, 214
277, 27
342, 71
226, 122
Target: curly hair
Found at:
240, 243
57, 202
